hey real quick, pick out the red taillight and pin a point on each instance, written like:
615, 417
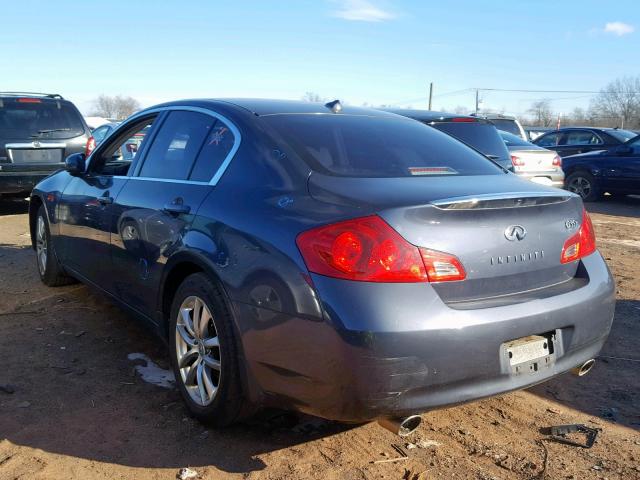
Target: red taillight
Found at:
463, 120
442, 267
517, 161
582, 243
367, 249
91, 146
557, 161
29, 100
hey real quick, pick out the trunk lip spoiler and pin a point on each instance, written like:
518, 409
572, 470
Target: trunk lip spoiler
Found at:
489, 201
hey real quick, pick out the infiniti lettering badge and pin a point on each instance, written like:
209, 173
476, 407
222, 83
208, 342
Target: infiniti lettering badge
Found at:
515, 232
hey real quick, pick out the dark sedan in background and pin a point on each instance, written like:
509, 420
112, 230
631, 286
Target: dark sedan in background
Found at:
574, 140
477, 132
615, 170
345, 262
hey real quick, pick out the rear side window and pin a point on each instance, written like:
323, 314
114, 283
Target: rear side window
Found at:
363, 146
39, 118
177, 144
215, 150
582, 137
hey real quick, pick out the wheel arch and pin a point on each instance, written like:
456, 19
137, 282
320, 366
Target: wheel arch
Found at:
179, 267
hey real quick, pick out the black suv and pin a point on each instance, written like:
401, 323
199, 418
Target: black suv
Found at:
479, 133
37, 132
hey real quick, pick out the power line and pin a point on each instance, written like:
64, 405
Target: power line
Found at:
549, 91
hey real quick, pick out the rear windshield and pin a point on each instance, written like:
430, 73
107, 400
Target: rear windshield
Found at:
513, 140
506, 125
622, 135
363, 146
481, 136
42, 119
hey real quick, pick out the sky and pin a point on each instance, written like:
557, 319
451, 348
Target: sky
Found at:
360, 51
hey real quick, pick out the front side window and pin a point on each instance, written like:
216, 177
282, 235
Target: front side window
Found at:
177, 144
549, 140
365, 146
582, 137
119, 154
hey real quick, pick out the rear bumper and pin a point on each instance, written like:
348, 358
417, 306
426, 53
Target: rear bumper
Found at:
397, 349
556, 179
22, 181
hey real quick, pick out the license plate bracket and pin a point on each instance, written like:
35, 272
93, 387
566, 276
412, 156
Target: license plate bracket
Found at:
529, 354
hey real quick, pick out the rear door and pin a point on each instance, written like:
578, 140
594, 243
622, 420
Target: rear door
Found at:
580, 141
153, 212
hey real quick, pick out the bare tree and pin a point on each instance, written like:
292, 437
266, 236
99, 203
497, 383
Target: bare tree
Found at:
312, 97
619, 102
541, 112
117, 108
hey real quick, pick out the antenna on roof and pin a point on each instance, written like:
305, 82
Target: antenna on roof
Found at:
335, 106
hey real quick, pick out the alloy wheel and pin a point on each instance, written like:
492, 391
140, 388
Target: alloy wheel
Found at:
581, 186
198, 350
41, 245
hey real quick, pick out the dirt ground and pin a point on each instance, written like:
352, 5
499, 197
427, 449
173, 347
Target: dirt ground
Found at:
79, 409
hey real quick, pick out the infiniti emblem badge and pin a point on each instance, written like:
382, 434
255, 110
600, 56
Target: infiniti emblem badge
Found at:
515, 232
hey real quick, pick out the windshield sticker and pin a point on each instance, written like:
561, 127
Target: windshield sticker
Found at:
432, 171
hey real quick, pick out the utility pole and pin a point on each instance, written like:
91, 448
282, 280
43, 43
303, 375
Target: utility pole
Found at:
430, 94
477, 99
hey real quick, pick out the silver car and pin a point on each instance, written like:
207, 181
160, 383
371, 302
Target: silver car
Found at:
533, 162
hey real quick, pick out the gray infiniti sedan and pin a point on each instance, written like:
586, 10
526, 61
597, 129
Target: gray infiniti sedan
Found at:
345, 262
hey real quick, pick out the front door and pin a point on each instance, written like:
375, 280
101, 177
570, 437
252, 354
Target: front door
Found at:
85, 208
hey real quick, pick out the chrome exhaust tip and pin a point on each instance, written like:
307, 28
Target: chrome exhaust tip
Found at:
583, 369
401, 426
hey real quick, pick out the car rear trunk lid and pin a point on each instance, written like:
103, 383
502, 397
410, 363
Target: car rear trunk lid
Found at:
507, 233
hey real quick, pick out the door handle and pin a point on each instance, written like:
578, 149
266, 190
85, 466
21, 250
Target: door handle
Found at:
176, 208
105, 200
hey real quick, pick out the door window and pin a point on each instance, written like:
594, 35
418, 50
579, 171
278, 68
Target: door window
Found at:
550, 140
177, 144
215, 150
119, 154
582, 137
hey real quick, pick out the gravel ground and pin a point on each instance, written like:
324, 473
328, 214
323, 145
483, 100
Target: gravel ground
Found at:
80, 408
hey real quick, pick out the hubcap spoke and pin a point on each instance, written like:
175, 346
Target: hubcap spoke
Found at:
208, 383
186, 320
201, 388
188, 357
211, 362
186, 336
211, 342
191, 374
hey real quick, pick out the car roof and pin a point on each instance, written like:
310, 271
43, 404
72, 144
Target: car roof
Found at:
263, 107
55, 96
429, 115
494, 116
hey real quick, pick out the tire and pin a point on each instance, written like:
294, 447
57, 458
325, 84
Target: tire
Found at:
584, 184
51, 272
205, 360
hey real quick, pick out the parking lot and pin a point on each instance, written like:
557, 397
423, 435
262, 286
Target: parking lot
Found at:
75, 406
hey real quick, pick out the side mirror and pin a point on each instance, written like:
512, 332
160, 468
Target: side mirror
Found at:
622, 150
75, 164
